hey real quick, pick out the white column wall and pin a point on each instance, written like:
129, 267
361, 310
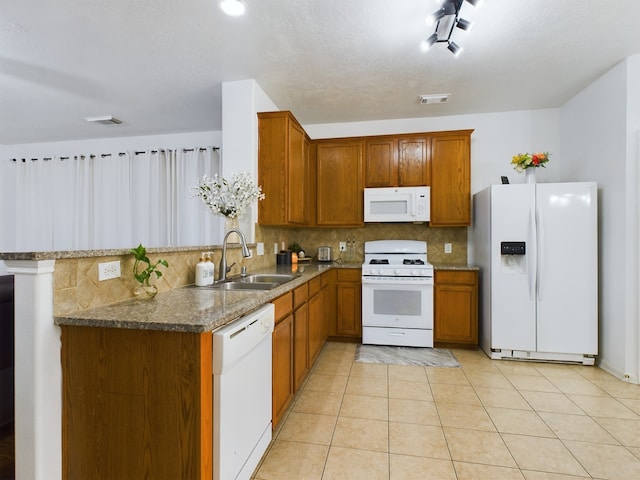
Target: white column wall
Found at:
38, 373
241, 101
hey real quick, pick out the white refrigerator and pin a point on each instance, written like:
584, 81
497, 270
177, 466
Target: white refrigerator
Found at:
537, 248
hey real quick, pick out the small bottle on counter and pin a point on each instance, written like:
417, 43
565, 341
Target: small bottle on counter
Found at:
210, 269
202, 274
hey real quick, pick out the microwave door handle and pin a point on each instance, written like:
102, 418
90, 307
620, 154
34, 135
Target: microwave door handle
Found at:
414, 200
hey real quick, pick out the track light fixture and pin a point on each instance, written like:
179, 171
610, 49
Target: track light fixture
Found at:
445, 20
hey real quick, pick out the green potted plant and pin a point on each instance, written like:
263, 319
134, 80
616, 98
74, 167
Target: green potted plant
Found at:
144, 276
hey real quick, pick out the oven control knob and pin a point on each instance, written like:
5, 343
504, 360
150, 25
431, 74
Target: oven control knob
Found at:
397, 271
415, 272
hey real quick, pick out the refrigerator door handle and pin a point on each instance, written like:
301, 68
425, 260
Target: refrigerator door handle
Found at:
540, 252
531, 253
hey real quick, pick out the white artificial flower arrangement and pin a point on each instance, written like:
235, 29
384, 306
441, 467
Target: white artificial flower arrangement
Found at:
230, 198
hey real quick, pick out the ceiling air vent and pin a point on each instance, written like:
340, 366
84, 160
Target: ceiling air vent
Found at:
104, 120
435, 98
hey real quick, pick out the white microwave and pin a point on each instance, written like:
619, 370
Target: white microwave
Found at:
397, 204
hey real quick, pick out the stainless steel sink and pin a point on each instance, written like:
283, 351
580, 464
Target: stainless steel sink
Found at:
258, 281
233, 285
266, 278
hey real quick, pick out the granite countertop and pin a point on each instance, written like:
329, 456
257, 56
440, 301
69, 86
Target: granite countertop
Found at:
444, 266
192, 309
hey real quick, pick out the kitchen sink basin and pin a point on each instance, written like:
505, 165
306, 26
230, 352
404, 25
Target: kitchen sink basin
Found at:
266, 278
258, 281
235, 285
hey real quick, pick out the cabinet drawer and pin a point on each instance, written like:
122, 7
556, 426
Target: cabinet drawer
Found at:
314, 285
456, 277
349, 275
283, 305
300, 295
328, 277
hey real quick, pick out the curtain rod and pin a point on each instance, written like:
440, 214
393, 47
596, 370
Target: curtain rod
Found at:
120, 154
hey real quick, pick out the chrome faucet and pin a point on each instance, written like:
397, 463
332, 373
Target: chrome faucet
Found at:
224, 269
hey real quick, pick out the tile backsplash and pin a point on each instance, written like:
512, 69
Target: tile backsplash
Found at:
312, 238
76, 285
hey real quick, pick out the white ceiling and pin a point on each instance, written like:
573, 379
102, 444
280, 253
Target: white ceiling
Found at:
158, 65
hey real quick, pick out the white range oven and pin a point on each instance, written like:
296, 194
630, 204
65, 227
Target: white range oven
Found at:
397, 294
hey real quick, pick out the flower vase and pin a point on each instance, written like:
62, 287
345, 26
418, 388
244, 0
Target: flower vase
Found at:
229, 223
146, 290
530, 175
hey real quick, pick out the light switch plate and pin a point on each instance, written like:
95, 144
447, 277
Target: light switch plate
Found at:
260, 248
447, 248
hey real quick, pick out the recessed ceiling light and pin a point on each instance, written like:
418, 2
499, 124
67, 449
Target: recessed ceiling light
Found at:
434, 98
232, 7
104, 120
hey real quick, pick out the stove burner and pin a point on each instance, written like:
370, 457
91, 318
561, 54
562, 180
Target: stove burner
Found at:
377, 261
408, 261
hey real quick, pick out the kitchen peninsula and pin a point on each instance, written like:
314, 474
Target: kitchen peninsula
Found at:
137, 380
134, 385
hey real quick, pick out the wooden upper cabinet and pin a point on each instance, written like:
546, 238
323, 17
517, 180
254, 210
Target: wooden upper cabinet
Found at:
381, 162
339, 194
451, 178
283, 170
413, 164
396, 162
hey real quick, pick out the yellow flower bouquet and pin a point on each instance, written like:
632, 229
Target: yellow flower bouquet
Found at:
522, 161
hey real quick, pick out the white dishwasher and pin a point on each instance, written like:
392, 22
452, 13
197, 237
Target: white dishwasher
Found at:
242, 394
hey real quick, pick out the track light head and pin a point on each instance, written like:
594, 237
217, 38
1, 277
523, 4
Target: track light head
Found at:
428, 43
454, 48
435, 17
476, 3
463, 24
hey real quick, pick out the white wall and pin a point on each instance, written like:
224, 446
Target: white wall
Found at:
597, 143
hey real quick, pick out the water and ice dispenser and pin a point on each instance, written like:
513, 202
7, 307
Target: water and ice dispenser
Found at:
513, 257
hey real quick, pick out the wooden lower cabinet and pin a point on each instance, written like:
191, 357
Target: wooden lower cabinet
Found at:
282, 356
349, 303
282, 373
300, 345
301, 330
456, 308
136, 404
317, 326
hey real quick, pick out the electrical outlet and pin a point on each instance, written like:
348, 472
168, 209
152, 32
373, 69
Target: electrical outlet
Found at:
447, 248
108, 270
343, 246
275, 248
259, 248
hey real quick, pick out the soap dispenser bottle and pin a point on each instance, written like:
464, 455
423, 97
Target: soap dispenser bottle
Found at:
210, 269
202, 272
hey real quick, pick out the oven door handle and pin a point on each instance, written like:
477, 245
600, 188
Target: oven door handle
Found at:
399, 334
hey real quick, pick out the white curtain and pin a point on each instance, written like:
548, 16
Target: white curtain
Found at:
108, 201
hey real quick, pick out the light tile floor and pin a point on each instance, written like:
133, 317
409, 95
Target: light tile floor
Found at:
489, 419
